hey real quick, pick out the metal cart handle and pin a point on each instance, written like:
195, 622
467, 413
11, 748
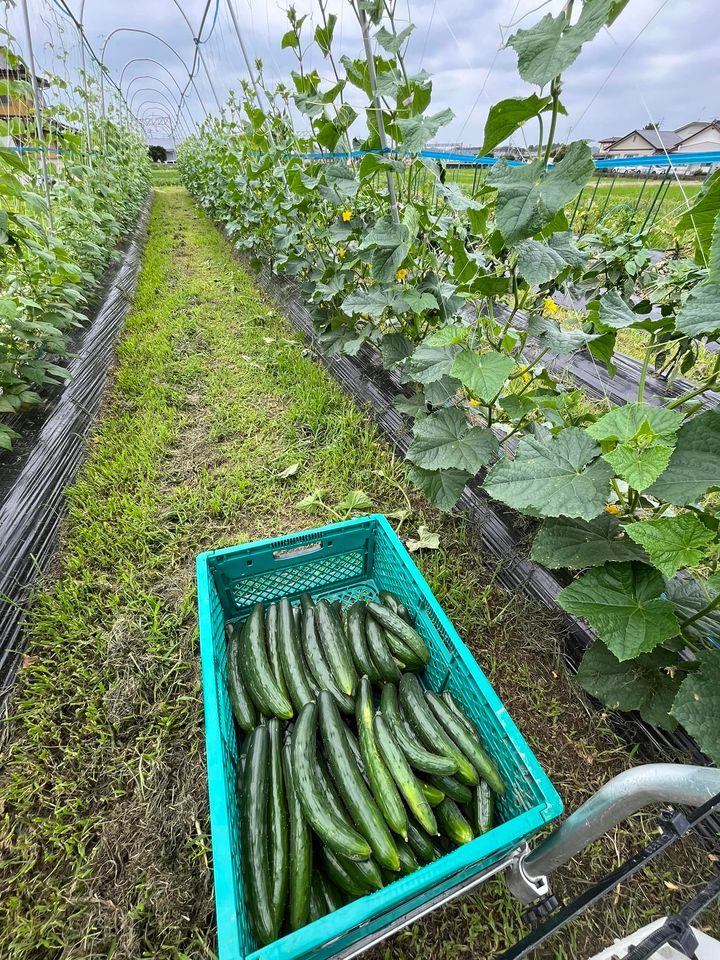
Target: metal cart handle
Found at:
614, 802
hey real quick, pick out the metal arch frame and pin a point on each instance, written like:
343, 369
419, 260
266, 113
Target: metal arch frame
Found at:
196, 41
166, 96
165, 114
168, 72
155, 36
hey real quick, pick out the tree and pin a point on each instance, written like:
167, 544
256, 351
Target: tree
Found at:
157, 153
652, 126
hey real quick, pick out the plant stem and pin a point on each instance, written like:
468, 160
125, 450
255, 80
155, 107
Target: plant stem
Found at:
708, 608
643, 376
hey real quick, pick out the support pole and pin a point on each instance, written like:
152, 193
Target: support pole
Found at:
37, 106
207, 72
246, 58
372, 76
83, 67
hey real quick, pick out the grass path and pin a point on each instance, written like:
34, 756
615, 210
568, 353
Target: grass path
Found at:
104, 846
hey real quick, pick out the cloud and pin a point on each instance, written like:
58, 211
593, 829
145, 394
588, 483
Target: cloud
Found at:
646, 67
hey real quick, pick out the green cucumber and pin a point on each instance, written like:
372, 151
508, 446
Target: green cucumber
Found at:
395, 624
402, 652
431, 794
317, 808
273, 647
256, 670
469, 743
363, 871
431, 732
356, 752
318, 906
483, 808
452, 823
352, 787
331, 895
408, 861
342, 878
385, 666
256, 873
318, 665
393, 603
417, 755
306, 602
421, 844
291, 658
467, 723
279, 844
452, 788
382, 784
242, 706
357, 642
402, 775
300, 851
334, 643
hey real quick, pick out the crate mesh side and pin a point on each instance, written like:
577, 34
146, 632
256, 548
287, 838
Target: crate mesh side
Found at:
230, 750
310, 577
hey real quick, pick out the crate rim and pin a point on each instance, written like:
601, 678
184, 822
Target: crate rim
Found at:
535, 817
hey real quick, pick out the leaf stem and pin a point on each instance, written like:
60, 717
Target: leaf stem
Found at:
708, 608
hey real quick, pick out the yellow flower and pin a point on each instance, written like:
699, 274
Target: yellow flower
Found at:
612, 508
550, 306
346, 215
474, 403
341, 252
524, 373
401, 273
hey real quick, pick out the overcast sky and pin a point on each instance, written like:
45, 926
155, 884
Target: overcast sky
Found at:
660, 61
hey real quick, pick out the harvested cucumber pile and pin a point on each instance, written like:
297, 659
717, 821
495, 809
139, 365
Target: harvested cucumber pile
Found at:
352, 774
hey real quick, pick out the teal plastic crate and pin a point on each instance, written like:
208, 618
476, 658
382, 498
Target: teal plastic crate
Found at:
349, 561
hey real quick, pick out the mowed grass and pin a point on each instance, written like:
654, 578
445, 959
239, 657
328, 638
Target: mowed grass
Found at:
162, 176
104, 832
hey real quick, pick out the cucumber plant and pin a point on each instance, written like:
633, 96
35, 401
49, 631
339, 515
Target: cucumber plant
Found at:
456, 290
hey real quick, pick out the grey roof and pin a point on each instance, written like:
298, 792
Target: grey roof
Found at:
660, 139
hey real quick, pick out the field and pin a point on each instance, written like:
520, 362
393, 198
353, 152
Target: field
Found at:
105, 841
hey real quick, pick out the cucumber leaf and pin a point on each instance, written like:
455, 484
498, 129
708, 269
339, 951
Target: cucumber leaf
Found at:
640, 685
672, 543
554, 476
575, 544
697, 705
443, 488
483, 374
699, 316
694, 466
623, 603
445, 440
689, 596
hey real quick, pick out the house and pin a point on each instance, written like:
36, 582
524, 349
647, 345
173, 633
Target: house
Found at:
704, 139
17, 113
697, 136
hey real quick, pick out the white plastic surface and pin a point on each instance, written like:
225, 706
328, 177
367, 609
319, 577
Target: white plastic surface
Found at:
708, 948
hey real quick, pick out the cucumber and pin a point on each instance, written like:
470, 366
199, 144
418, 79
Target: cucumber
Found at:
385, 666
318, 665
382, 784
256, 875
431, 732
335, 646
417, 755
356, 752
431, 794
306, 602
357, 642
256, 670
408, 861
330, 893
279, 844
483, 808
297, 615
452, 788
467, 723
273, 648
317, 808
291, 658
421, 844
452, 823
393, 603
242, 706
469, 743
403, 776
353, 791
342, 878
402, 652
366, 872
318, 906
300, 851
395, 624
